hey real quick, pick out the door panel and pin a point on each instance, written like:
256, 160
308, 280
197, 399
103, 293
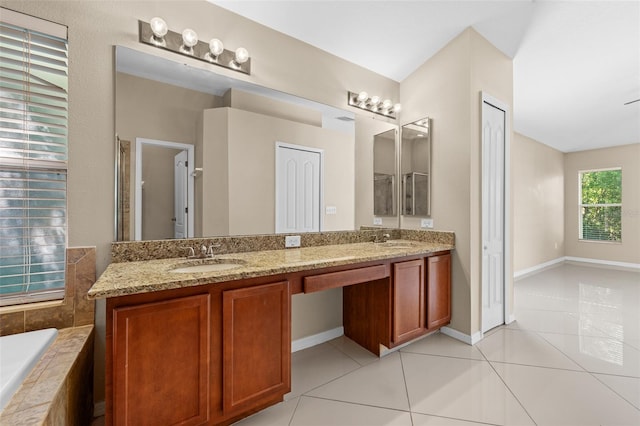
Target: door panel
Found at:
298, 181
493, 207
180, 194
408, 300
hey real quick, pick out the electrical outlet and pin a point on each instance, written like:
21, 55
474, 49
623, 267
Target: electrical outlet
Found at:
292, 241
331, 210
426, 223
377, 221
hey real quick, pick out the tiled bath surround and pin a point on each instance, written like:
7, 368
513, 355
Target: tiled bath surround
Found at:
132, 251
59, 390
73, 311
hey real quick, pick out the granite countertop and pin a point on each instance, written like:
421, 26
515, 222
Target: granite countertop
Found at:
120, 279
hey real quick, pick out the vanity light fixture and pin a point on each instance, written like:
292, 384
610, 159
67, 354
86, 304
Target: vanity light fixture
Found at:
156, 33
373, 104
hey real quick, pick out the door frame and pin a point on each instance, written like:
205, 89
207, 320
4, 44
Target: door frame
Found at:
507, 284
138, 182
320, 151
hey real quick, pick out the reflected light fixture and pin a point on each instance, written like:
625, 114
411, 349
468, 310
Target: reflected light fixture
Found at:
373, 104
156, 33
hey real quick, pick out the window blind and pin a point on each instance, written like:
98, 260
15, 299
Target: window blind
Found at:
33, 160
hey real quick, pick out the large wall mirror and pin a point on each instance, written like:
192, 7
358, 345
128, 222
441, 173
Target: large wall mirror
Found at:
385, 173
163, 106
415, 167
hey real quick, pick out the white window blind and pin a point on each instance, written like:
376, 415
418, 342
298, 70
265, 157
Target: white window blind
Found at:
33, 159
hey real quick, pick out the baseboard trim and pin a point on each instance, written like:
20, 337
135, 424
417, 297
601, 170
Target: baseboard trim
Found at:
603, 262
465, 338
316, 339
537, 268
99, 409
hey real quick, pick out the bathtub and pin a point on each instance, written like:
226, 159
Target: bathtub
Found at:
19, 353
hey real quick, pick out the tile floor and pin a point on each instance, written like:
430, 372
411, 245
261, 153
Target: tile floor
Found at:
571, 358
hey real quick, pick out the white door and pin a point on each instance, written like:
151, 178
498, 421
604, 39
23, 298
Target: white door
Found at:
180, 175
298, 189
493, 218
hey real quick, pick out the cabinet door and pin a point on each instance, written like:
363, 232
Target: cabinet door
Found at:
161, 362
438, 290
256, 345
408, 300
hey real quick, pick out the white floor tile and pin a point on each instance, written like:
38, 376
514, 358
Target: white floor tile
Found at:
354, 351
316, 366
424, 420
443, 345
277, 415
626, 387
598, 354
322, 412
380, 384
554, 322
562, 397
460, 388
523, 347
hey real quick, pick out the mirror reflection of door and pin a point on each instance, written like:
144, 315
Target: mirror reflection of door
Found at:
298, 188
163, 184
180, 218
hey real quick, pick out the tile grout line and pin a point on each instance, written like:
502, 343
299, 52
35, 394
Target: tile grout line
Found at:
507, 386
406, 388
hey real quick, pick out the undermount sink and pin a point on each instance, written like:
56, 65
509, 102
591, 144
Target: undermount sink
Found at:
396, 244
210, 265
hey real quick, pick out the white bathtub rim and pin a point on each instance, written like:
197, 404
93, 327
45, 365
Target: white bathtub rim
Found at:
19, 354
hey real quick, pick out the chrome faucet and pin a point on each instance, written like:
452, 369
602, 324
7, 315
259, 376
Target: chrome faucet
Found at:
203, 252
384, 239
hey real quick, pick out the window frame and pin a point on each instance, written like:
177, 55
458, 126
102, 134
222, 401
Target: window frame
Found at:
581, 206
31, 168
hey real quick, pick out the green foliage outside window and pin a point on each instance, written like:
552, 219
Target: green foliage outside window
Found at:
601, 205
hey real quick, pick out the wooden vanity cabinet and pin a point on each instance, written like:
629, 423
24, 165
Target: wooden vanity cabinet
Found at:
161, 362
256, 345
408, 283
413, 301
205, 355
438, 290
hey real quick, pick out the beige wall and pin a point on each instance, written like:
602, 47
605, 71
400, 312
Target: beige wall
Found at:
538, 203
95, 27
627, 157
249, 197
447, 89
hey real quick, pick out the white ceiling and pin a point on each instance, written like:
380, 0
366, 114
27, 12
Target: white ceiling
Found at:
575, 63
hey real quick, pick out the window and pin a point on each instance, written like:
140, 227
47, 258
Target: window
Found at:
601, 205
33, 158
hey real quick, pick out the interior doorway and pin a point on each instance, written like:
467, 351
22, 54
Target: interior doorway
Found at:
298, 188
156, 219
495, 217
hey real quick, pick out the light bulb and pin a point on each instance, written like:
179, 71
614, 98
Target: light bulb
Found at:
375, 100
397, 108
362, 96
242, 55
158, 27
216, 47
189, 38
386, 104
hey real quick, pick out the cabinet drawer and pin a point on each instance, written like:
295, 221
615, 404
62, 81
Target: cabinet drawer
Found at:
344, 278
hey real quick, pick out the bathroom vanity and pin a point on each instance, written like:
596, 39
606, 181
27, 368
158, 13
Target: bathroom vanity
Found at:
212, 347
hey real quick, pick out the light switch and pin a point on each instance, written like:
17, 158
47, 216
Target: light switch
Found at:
331, 210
